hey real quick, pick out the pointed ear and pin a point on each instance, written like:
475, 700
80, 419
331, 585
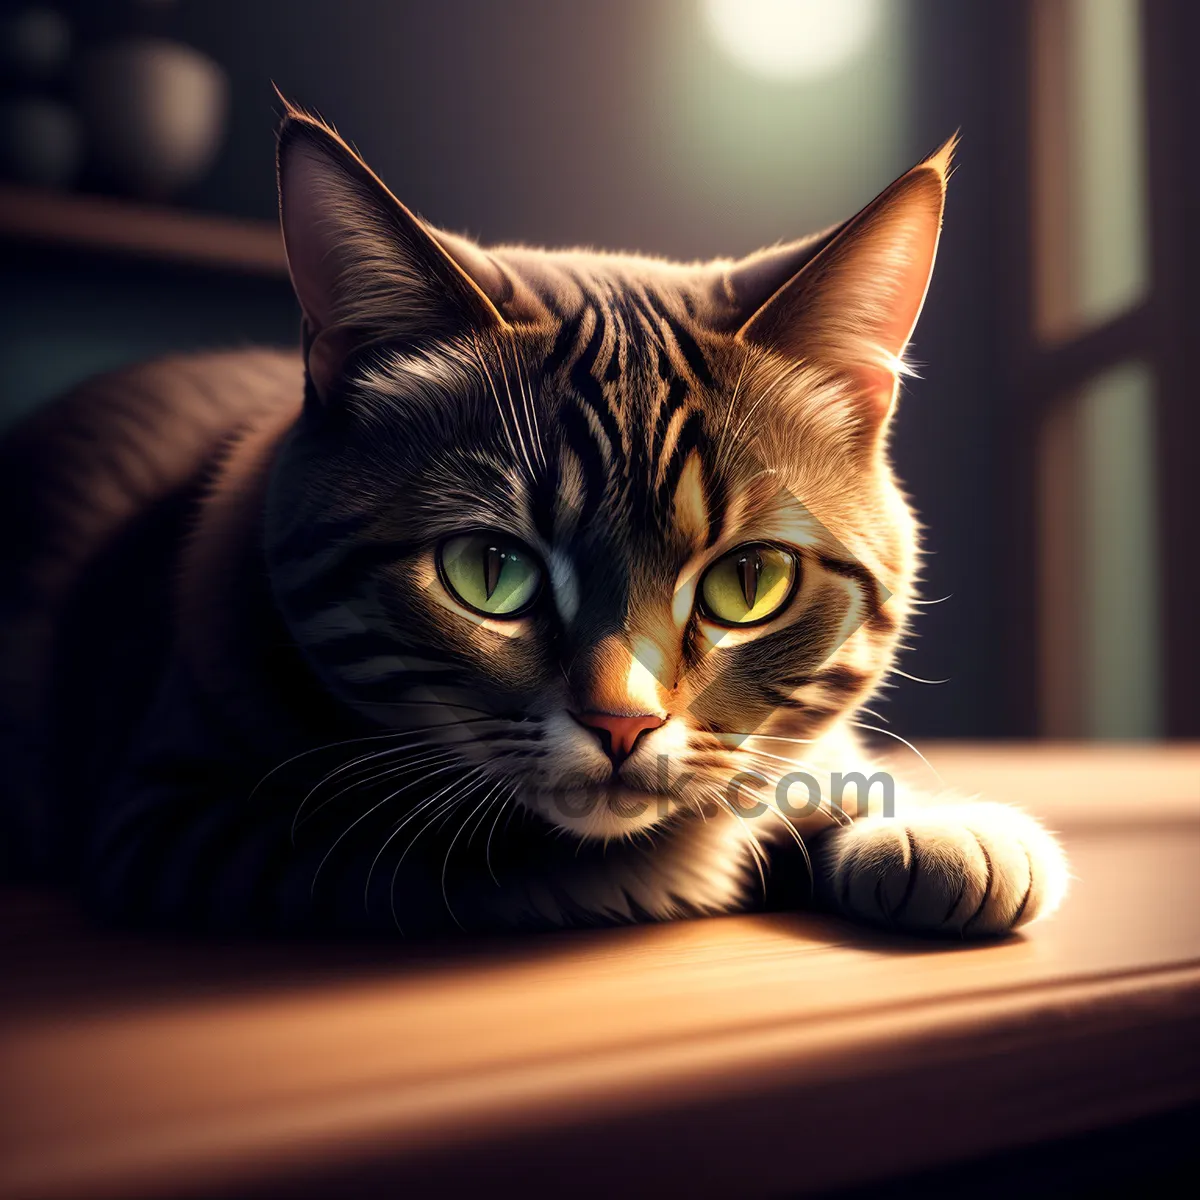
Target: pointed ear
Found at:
853, 306
747, 284
364, 268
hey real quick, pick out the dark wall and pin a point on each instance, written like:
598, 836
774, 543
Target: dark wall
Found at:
954, 425
617, 124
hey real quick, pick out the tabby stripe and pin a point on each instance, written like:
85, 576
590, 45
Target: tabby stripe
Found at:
365, 645
564, 344
914, 861
309, 538
849, 569
296, 572
384, 666
542, 500
650, 323
691, 438
1016, 920
403, 681
582, 440
683, 339
840, 679
804, 706
338, 622
637, 316
718, 505
306, 598
592, 393
621, 338
677, 394
987, 887
514, 735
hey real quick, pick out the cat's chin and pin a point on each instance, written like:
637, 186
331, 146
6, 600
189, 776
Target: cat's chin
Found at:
606, 812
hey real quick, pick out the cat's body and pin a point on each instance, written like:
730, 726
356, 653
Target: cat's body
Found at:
259, 653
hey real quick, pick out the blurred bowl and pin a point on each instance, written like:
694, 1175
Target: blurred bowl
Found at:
154, 112
40, 142
35, 43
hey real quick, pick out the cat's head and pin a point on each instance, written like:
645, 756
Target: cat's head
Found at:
604, 531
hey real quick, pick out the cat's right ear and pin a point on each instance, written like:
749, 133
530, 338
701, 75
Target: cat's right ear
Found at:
365, 270
853, 305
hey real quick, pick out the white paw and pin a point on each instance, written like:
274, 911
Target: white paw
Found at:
969, 869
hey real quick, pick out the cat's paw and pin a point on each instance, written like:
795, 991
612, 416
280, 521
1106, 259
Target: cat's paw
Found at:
970, 870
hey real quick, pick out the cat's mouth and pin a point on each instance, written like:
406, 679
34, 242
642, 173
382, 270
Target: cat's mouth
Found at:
610, 810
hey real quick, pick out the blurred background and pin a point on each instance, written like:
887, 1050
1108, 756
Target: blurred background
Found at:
1049, 443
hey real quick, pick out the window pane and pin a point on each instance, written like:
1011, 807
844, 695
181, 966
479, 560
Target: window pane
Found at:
1101, 626
1121, 554
1089, 168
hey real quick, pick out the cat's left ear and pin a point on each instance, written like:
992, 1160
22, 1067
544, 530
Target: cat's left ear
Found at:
852, 308
365, 269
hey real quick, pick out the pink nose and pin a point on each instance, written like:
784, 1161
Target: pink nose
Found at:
618, 734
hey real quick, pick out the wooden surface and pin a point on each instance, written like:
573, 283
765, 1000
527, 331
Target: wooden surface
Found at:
741, 1056
107, 225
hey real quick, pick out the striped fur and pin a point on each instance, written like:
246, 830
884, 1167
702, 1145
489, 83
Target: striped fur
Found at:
317, 733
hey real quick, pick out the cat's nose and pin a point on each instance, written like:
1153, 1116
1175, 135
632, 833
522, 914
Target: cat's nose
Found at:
618, 733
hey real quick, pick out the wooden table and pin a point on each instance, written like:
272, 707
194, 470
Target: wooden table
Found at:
742, 1056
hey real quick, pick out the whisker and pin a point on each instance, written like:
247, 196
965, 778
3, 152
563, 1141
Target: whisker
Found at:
756, 850
376, 737
346, 766
492, 797
432, 749
737, 387
372, 809
916, 678
530, 408
412, 815
446, 805
902, 741
791, 762
487, 375
451, 704
432, 758
516, 420
836, 815
391, 734
487, 851
537, 428
784, 375
450, 849
799, 842
774, 737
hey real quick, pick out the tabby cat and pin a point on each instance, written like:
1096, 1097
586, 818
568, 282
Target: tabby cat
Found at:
543, 589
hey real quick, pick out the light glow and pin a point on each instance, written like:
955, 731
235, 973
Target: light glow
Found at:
792, 39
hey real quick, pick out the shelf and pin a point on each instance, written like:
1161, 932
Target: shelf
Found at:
144, 231
755, 1055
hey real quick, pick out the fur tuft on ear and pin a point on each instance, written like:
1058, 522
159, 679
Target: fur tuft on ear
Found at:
853, 306
365, 269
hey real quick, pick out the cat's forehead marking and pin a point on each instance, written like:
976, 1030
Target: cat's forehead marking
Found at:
625, 387
564, 584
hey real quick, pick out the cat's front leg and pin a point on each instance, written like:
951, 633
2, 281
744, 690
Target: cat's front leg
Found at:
964, 869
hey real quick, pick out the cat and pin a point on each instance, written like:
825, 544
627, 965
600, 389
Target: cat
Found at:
539, 590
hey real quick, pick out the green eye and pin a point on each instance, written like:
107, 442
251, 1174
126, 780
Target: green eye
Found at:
490, 573
749, 585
